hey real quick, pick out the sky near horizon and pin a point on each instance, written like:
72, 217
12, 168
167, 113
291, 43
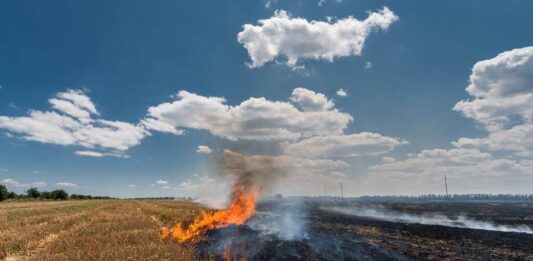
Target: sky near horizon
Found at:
142, 99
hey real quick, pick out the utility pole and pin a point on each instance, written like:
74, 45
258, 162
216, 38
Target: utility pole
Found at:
325, 191
342, 192
446, 185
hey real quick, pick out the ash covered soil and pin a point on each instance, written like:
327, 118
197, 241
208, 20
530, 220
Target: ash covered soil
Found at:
334, 229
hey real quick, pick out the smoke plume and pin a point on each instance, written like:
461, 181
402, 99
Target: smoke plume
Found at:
252, 173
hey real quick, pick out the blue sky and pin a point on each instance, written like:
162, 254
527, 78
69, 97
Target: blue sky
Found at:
128, 56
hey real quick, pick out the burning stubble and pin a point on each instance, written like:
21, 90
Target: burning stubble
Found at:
251, 175
240, 210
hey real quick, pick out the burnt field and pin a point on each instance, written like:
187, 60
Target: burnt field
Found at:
358, 230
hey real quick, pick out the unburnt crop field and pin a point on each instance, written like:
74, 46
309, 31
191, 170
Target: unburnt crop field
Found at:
91, 230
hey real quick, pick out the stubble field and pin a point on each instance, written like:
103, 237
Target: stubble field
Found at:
91, 230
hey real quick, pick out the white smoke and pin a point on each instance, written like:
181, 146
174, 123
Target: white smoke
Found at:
286, 221
430, 219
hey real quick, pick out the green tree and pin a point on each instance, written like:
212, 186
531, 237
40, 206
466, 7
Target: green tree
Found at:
46, 195
33, 193
3, 193
59, 194
12, 195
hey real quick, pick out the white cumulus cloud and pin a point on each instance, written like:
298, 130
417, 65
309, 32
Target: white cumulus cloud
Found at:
502, 103
72, 123
309, 100
297, 38
204, 149
342, 93
161, 182
457, 162
502, 90
309, 114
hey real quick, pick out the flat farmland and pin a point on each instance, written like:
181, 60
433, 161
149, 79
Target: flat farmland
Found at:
321, 230
92, 230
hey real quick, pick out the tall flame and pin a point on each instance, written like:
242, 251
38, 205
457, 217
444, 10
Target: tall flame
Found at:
240, 210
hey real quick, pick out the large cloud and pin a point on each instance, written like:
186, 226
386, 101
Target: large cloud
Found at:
503, 102
502, 88
437, 161
468, 170
358, 144
298, 38
309, 114
518, 140
73, 124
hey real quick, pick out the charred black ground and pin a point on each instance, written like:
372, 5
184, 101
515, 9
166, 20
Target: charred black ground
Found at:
329, 235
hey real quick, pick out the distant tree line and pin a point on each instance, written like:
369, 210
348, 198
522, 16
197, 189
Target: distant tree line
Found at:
34, 193
162, 198
453, 197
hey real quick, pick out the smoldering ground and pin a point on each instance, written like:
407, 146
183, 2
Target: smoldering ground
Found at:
459, 221
281, 230
313, 231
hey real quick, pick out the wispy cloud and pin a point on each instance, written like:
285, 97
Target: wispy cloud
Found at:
67, 184
270, 3
96, 154
15, 183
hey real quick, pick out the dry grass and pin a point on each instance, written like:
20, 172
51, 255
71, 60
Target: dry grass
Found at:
91, 230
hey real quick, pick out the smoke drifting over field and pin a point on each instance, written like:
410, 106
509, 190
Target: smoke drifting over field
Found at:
460, 221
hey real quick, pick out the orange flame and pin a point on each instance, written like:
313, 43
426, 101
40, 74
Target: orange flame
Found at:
240, 210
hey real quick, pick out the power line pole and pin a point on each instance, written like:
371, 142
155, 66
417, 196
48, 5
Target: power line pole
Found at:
342, 192
446, 185
325, 191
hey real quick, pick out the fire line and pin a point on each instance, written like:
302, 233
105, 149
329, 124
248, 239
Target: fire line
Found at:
240, 210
